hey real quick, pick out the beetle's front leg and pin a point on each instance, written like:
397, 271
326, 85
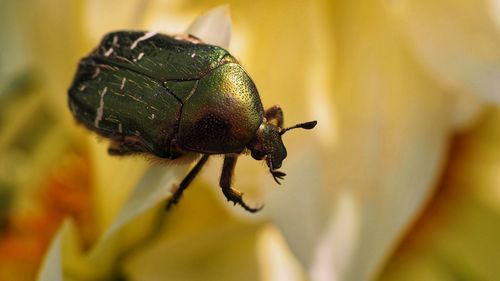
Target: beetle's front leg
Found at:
275, 113
186, 181
232, 194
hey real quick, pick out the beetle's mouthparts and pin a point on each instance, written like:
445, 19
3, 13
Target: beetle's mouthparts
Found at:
307, 125
277, 175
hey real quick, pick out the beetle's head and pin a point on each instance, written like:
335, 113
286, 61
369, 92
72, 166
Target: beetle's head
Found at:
267, 145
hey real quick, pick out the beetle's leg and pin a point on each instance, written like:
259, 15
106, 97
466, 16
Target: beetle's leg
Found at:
232, 194
115, 148
186, 181
275, 113
125, 146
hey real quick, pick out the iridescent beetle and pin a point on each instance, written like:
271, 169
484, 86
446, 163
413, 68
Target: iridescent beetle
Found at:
176, 96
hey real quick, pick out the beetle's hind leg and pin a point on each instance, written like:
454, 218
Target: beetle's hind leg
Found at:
186, 181
232, 194
275, 113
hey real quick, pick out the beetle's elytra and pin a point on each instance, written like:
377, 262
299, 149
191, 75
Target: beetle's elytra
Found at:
174, 96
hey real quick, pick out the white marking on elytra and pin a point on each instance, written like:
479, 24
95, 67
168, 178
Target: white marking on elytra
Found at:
120, 128
194, 54
109, 52
115, 40
139, 57
152, 116
142, 38
82, 88
72, 107
97, 71
193, 89
122, 58
100, 109
123, 83
136, 99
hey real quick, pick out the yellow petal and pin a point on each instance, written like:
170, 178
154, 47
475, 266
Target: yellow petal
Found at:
198, 240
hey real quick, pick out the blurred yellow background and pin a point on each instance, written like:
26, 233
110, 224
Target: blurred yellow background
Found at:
400, 180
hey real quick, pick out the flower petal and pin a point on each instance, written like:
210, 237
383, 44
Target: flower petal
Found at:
367, 184
63, 249
457, 236
457, 41
199, 240
155, 185
213, 27
51, 269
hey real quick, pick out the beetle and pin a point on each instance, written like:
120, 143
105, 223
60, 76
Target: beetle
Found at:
175, 96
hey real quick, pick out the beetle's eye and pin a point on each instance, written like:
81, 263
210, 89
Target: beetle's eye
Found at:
258, 155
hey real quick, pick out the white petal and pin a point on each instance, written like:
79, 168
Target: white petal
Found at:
155, 185
213, 27
65, 247
51, 269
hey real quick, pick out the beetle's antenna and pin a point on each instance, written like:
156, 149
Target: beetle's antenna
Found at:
307, 125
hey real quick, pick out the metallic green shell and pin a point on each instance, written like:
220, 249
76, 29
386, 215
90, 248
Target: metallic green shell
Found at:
118, 102
223, 113
154, 88
181, 89
158, 56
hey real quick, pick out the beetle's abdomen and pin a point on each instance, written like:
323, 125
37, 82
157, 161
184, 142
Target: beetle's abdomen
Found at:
120, 103
223, 113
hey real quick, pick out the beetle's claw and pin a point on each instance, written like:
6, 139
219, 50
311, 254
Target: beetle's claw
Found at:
278, 175
170, 204
250, 209
172, 201
235, 196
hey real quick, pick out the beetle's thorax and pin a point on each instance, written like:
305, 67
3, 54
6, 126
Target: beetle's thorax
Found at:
222, 114
267, 144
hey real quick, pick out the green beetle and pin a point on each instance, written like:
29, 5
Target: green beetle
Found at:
173, 97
